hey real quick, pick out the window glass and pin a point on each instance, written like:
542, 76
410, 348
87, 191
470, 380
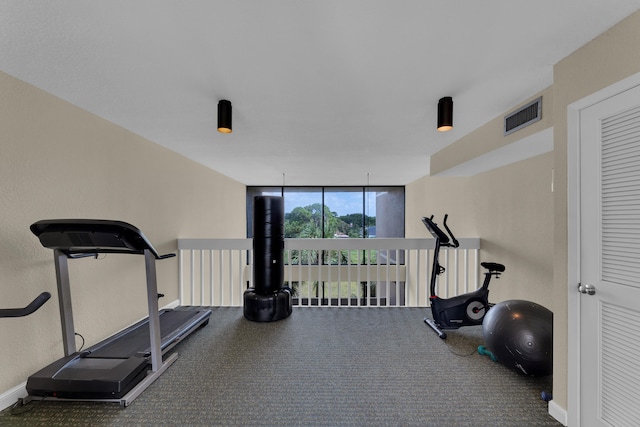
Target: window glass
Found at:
344, 212
303, 212
336, 212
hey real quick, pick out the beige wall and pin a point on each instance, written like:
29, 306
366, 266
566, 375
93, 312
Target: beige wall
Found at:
607, 59
59, 161
514, 225
512, 209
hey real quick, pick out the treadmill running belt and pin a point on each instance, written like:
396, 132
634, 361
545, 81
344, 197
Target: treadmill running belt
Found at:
135, 340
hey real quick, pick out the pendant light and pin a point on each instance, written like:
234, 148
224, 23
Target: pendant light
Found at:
445, 114
224, 116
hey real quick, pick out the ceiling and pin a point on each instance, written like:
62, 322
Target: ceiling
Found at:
324, 92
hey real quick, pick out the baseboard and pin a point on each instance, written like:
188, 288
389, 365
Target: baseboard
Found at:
557, 412
172, 304
10, 397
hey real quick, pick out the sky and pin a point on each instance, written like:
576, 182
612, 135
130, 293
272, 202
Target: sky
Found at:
341, 202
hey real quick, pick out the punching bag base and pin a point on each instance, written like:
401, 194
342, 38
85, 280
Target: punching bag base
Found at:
269, 307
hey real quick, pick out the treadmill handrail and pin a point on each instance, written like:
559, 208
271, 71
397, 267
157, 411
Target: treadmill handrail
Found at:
30, 308
84, 237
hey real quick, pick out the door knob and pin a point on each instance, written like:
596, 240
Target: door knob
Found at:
586, 289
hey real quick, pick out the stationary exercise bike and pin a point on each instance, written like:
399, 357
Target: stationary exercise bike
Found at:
463, 310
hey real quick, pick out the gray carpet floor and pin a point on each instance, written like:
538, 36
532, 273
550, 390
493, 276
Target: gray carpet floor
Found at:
319, 367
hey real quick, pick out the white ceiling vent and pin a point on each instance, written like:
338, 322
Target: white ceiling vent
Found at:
529, 114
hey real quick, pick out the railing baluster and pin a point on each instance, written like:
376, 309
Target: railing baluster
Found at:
328, 282
193, 269
397, 281
411, 273
181, 278
211, 278
475, 269
349, 303
456, 275
447, 277
309, 286
386, 285
466, 270
427, 275
288, 265
301, 282
251, 275
389, 276
238, 293
339, 263
360, 289
300, 278
367, 293
201, 274
420, 283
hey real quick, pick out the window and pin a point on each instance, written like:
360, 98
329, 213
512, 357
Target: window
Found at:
336, 212
339, 213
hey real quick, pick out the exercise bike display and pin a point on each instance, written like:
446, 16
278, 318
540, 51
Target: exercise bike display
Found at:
463, 310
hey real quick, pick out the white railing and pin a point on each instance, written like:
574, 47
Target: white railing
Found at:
379, 272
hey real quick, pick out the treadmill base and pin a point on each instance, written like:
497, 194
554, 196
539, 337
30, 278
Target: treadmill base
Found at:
125, 400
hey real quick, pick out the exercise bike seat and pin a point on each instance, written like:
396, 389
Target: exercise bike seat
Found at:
493, 266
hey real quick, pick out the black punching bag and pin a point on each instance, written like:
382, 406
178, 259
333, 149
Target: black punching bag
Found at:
269, 299
268, 244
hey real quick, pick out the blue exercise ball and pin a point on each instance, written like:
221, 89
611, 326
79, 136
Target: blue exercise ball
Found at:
520, 335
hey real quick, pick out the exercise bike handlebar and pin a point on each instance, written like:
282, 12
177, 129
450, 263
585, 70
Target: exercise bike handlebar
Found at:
454, 241
33, 306
445, 240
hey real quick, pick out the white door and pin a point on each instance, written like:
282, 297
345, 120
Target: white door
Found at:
609, 150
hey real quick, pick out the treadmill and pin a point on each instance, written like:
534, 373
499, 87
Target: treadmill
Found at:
122, 366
